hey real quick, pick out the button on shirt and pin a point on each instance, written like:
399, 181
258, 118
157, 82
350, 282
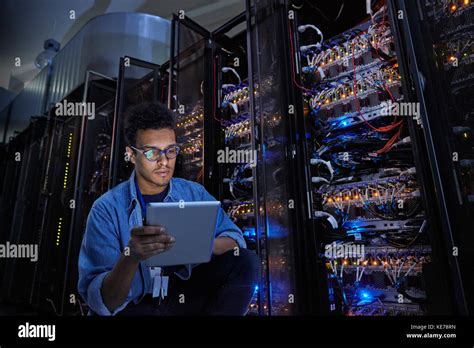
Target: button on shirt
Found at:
110, 220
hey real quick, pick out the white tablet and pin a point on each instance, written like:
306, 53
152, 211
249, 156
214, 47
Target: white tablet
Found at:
193, 224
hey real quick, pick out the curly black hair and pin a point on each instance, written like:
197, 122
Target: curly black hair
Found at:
148, 115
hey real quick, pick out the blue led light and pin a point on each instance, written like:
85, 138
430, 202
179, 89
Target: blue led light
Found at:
249, 232
365, 295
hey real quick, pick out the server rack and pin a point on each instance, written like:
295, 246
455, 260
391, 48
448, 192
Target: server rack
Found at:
188, 84
234, 145
216, 70
9, 185
138, 81
196, 94
345, 83
91, 178
63, 205
438, 42
11, 174
230, 125
419, 290
278, 183
19, 230
55, 213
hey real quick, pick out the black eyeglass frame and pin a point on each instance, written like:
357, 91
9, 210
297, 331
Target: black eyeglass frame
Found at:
161, 152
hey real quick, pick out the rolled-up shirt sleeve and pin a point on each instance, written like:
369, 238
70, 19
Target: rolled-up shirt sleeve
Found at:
100, 250
225, 226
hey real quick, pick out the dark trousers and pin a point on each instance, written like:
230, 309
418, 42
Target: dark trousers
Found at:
223, 286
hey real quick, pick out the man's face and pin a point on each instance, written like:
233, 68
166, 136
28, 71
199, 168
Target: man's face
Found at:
154, 173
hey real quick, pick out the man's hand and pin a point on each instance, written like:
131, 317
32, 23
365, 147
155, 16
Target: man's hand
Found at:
146, 241
223, 244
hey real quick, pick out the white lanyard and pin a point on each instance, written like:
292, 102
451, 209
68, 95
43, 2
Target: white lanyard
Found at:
160, 283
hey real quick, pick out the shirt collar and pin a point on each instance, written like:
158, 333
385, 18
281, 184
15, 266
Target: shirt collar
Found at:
170, 196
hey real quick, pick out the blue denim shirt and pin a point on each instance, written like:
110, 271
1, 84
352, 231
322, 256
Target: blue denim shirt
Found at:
110, 220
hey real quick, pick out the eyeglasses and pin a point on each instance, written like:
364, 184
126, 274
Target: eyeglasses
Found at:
153, 154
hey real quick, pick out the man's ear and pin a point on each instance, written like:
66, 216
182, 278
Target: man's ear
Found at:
129, 155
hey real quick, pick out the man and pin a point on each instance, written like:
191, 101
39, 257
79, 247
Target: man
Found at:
112, 277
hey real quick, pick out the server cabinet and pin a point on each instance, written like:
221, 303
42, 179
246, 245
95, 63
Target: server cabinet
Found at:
138, 82
363, 179
369, 201
234, 171
189, 79
63, 204
280, 183
55, 213
18, 273
11, 174
438, 37
91, 178
209, 73
246, 108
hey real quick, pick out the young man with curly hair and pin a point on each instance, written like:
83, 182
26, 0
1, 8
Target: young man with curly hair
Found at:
113, 282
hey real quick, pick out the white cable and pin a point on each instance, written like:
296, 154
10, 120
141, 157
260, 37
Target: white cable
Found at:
332, 267
318, 179
411, 267
315, 161
389, 277
400, 269
321, 72
379, 196
227, 85
411, 170
231, 189
302, 29
393, 266
305, 48
227, 69
400, 190
330, 218
361, 273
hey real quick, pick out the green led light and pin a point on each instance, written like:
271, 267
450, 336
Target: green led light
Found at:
58, 235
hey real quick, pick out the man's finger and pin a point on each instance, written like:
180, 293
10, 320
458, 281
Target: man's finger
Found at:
161, 238
153, 253
153, 247
148, 230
